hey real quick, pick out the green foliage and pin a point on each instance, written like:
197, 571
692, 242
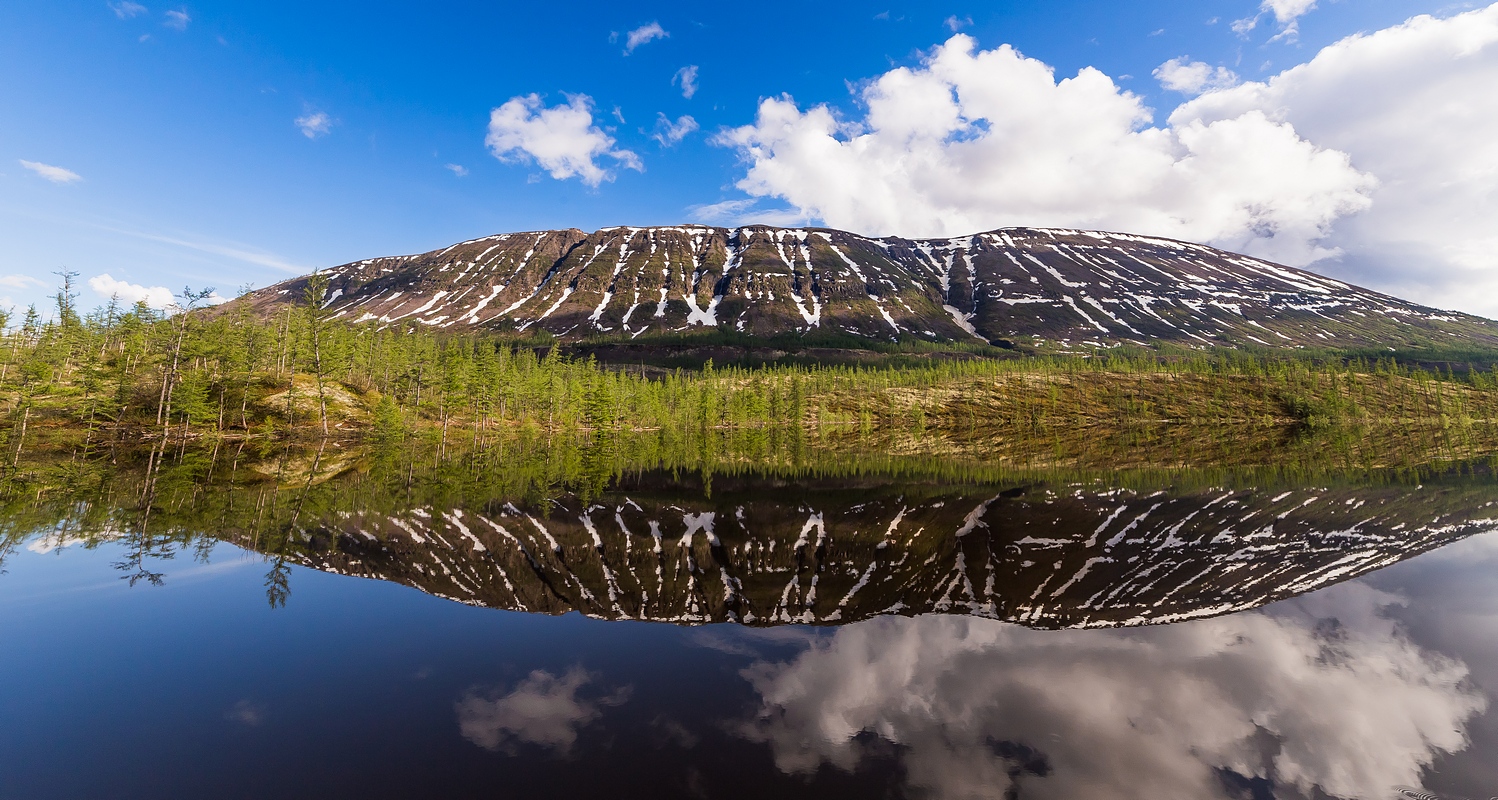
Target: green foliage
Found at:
388, 424
128, 374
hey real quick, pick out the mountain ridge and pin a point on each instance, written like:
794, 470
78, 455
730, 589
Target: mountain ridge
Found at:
1041, 289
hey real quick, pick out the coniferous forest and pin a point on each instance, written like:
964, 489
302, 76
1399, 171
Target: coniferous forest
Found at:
122, 375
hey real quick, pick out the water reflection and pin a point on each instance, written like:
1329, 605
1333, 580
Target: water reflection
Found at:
544, 709
1323, 695
823, 544
875, 650
762, 552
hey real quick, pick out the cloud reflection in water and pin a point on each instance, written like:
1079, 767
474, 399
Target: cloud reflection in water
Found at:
543, 709
1320, 692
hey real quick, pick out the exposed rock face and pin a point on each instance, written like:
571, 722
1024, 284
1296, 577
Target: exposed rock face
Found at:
1043, 288
765, 554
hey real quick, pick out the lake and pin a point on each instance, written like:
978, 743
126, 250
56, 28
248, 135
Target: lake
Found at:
549, 621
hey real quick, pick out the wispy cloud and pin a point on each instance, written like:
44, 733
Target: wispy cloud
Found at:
20, 281
643, 35
177, 20
126, 9
246, 713
1286, 12
235, 251
52, 173
954, 24
746, 212
686, 77
669, 133
314, 123
457, 169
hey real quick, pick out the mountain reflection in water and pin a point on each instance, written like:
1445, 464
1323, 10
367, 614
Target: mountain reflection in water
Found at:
873, 650
768, 552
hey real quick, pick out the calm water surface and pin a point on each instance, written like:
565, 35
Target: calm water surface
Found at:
665, 636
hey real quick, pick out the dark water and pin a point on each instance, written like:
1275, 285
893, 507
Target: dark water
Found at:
667, 634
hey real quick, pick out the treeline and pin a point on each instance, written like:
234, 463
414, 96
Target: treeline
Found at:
121, 373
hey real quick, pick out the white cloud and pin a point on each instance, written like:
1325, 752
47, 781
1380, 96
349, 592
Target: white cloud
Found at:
51, 173
686, 77
974, 140
669, 133
954, 24
314, 123
543, 710
733, 213
177, 20
127, 9
561, 138
157, 297
643, 35
19, 281
235, 251
1193, 77
1408, 105
1325, 692
457, 169
1287, 14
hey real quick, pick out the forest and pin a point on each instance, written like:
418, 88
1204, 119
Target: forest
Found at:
126, 375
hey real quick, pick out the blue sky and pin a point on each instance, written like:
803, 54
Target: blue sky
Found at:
223, 144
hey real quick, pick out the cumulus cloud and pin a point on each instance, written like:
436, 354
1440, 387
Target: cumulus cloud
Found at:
1324, 695
456, 169
158, 297
973, 140
643, 35
954, 24
1193, 77
51, 173
543, 709
562, 139
669, 133
686, 78
314, 124
1405, 103
177, 20
127, 9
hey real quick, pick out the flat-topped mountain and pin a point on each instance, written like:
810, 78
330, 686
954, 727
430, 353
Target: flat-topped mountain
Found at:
1040, 288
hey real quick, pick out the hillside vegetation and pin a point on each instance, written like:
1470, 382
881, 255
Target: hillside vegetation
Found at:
129, 375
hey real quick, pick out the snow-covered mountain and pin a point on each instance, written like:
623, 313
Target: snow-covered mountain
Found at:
1048, 289
769, 553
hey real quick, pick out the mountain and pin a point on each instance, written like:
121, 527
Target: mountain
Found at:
764, 552
1036, 288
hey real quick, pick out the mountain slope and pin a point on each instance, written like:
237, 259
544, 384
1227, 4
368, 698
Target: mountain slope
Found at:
1043, 288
